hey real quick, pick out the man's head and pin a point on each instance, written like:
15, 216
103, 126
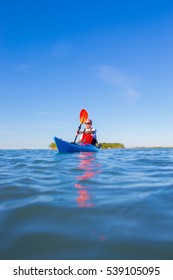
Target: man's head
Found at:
88, 123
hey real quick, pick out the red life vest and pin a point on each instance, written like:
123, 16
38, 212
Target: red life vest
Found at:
87, 138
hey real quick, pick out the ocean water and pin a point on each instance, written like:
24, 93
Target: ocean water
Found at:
114, 204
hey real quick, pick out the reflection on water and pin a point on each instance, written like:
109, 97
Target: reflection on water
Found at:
90, 169
88, 166
84, 199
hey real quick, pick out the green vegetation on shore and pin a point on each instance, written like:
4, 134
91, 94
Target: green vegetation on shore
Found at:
111, 145
102, 145
53, 146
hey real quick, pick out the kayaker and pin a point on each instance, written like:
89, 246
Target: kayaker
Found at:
88, 135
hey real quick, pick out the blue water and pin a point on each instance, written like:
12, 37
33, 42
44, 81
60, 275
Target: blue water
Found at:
114, 204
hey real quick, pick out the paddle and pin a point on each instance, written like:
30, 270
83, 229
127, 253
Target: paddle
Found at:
83, 117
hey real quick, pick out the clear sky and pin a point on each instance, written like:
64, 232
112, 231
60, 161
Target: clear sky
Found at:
113, 58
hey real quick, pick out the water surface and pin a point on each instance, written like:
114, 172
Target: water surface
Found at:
114, 204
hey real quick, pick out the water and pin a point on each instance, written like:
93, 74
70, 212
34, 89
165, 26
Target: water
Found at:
115, 204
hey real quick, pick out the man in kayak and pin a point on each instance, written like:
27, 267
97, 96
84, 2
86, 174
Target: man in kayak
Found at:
88, 135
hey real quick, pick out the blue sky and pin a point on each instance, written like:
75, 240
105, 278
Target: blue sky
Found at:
112, 58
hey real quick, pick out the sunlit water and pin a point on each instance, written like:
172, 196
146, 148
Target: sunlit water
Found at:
114, 204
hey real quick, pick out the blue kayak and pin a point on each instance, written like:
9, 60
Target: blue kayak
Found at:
66, 147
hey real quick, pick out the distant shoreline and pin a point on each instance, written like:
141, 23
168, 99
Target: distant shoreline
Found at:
109, 148
154, 147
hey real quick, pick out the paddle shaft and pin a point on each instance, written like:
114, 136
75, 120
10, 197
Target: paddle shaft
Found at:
77, 133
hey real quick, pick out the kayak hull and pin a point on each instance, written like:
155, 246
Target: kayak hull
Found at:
66, 147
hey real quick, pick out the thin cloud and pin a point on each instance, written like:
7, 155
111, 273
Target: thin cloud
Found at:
19, 127
59, 50
47, 113
113, 76
23, 66
4, 131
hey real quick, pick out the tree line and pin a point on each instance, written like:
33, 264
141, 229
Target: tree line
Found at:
103, 145
111, 145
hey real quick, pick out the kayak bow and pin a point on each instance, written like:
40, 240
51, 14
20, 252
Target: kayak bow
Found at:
66, 147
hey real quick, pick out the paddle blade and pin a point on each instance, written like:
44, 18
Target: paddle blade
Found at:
83, 116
